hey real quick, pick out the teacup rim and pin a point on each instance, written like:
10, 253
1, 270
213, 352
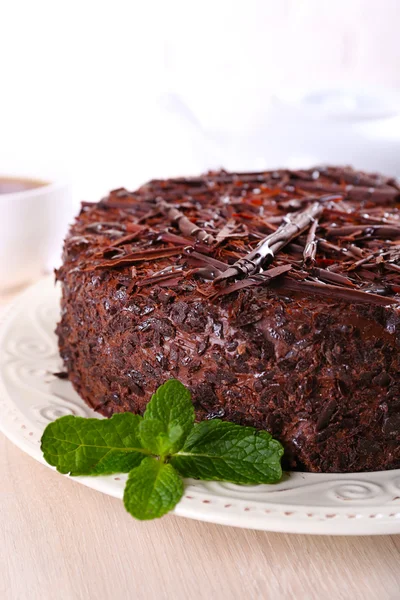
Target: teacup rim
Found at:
48, 187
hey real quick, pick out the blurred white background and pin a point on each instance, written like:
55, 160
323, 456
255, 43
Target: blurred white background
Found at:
114, 93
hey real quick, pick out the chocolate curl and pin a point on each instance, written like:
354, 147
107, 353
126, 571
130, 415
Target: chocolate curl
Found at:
332, 277
365, 260
265, 252
240, 285
184, 224
334, 292
384, 232
392, 267
310, 249
134, 257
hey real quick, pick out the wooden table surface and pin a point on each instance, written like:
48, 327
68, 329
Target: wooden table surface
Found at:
59, 539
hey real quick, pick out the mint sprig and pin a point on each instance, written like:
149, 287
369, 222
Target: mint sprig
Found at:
152, 489
172, 406
80, 446
222, 451
160, 448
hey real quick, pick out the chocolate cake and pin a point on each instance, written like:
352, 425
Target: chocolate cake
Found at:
273, 296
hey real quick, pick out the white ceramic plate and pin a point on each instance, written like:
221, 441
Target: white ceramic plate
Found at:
31, 397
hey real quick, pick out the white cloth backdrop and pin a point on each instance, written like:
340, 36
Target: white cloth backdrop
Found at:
114, 93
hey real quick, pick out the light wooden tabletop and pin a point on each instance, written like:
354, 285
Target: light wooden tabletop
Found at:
59, 539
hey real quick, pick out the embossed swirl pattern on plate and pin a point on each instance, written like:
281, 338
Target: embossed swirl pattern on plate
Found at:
52, 411
31, 372
357, 490
302, 490
29, 348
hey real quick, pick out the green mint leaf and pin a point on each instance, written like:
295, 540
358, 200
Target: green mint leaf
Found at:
222, 451
152, 489
158, 438
172, 405
80, 446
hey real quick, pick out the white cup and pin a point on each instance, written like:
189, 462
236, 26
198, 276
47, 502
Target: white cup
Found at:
33, 224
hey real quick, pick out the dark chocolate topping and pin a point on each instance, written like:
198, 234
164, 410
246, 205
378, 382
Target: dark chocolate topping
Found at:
226, 226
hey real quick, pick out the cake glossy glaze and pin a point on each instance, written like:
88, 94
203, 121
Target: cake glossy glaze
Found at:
165, 282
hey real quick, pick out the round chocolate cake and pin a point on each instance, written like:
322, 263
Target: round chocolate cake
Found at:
273, 296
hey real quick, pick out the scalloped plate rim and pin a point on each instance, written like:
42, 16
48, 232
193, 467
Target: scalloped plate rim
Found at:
213, 504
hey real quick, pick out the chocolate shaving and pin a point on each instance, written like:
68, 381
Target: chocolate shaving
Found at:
170, 282
110, 204
265, 252
310, 249
104, 226
61, 374
228, 231
134, 227
168, 237
127, 238
334, 292
207, 260
160, 278
355, 251
256, 280
332, 277
110, 252
392, 267
328, 246
129, 259
206, 273
380, 231
185, 225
